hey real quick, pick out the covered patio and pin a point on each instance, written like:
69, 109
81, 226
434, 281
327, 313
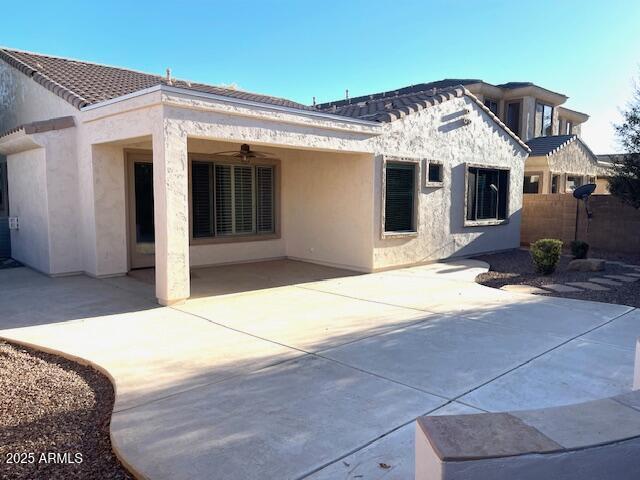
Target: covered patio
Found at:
173, 190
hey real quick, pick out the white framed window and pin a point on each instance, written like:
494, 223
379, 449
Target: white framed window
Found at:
433, 174
229, 199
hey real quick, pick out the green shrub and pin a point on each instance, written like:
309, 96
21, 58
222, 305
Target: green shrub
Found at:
545, 254
579, 249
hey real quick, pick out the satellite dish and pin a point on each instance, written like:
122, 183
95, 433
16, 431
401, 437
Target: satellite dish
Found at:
584, 191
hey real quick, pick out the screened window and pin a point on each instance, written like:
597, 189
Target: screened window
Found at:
531, 184
573, 182
491, 105
399, 197
487, 194
543, 120
232, 199
513, 117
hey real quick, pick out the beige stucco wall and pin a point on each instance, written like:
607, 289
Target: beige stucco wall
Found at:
328, 208
28, 200
439, 134
22, 100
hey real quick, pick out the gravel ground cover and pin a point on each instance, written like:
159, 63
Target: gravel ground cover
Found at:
54, 418
515, 267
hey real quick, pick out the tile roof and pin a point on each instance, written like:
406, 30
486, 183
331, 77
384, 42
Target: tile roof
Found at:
418, 88
391, 106
83, 83
541, 146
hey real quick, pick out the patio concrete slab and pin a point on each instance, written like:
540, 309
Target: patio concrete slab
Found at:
578, 371
586, 424
588, 286
622, 332
395, 451
562, 317
447, 356
306, 319
281, 422
155, 353
224, 388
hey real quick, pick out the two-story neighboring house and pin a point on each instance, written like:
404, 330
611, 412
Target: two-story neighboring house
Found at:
559, 161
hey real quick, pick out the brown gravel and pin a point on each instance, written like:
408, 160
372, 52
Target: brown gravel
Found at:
50, 405
515, 268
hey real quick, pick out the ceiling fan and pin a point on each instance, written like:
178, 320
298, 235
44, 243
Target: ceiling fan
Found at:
245, 153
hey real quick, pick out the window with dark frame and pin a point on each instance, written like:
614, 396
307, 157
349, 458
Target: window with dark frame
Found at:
555, 183
531, 184
434, 173
487, 194
400, 178
513, 117
543, 124
232, 200
573, 182
492, 105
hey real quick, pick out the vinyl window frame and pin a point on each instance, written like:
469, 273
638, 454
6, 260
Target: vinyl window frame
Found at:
416, 162
489, 221
241, 237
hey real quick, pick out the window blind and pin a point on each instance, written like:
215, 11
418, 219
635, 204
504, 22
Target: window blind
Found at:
399, 197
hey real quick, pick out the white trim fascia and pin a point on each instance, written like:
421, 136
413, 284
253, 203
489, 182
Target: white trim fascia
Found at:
237, 101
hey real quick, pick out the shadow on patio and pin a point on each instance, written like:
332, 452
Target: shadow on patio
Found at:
246, 277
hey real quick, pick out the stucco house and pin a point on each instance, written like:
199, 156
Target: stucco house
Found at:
561, 163
112, 169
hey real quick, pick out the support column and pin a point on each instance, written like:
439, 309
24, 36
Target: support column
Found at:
171, 214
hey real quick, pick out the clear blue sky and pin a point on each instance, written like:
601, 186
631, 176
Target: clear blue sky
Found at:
588, 50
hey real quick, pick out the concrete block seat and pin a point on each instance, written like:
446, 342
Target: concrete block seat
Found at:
592, 440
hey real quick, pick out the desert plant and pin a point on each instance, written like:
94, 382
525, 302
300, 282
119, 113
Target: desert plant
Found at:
579, 249
624, 183
545, 254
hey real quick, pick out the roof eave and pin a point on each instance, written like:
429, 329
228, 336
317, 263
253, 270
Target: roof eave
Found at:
371, 125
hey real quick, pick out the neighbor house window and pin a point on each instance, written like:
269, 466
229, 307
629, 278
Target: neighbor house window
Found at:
513, 117
487, 194
399, 200
434, 174
573, 182
232, 199
555, 183
531, 183
491, 105
543, 120
568, 128
592, 180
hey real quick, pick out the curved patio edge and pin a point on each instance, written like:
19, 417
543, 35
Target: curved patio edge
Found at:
591, 440
84, 361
